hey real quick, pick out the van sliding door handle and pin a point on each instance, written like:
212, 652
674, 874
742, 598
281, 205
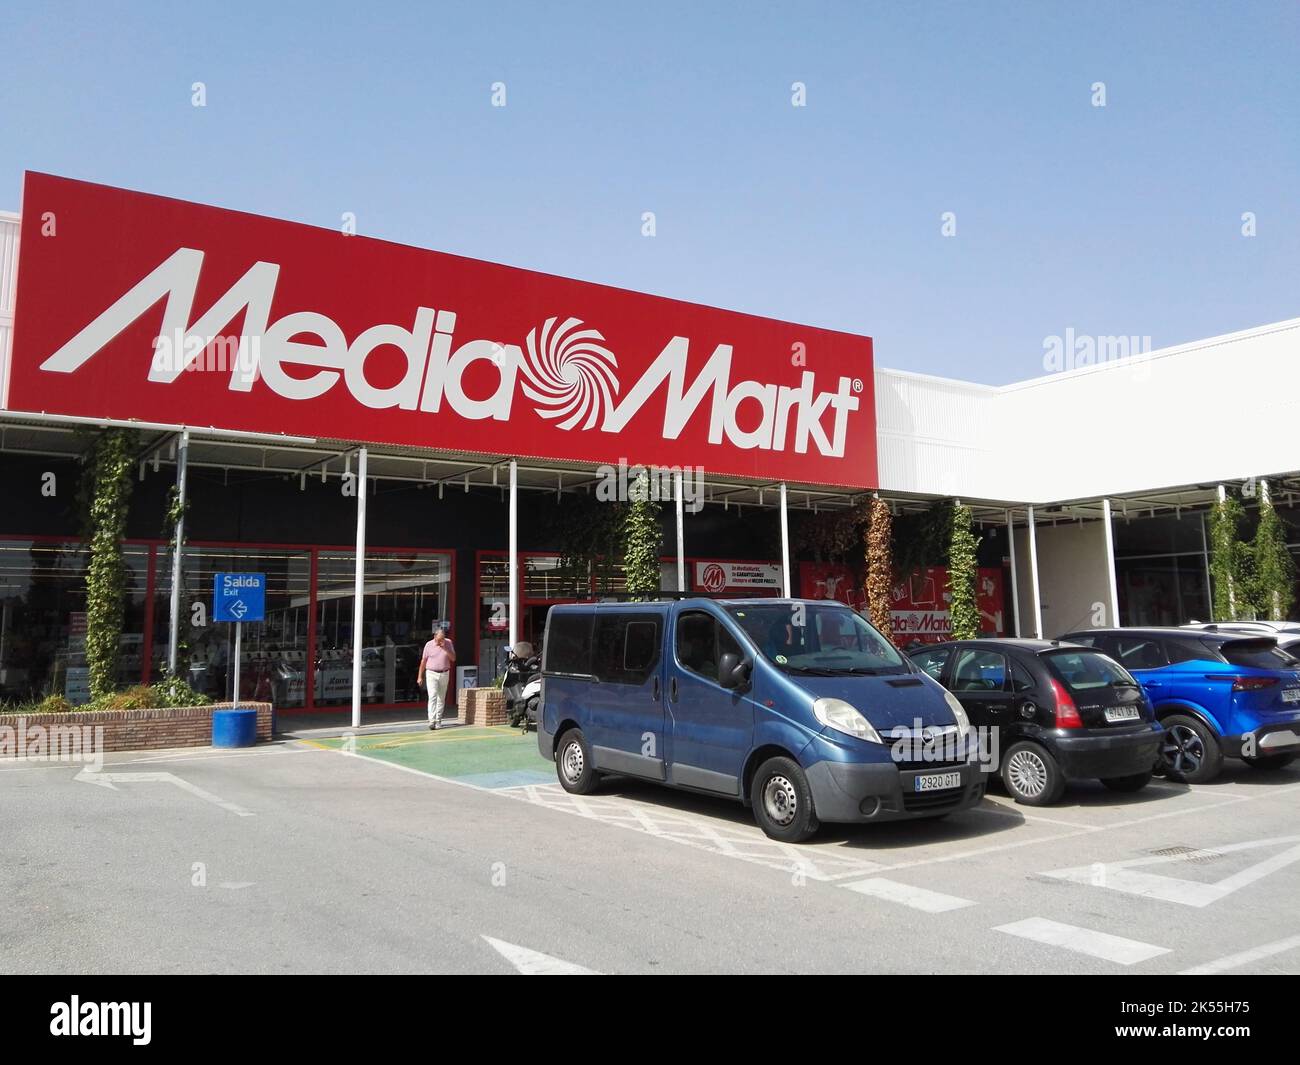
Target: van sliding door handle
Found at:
655, 696
672, 689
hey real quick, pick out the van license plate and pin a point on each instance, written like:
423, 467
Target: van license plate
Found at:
938, 781
1122, 713
1291, 695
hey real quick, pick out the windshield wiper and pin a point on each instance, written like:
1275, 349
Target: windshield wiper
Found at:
811, 670
1125, 684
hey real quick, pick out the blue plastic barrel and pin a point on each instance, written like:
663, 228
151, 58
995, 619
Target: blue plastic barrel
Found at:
234, 728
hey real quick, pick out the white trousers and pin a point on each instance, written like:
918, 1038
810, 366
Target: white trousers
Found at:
436, 683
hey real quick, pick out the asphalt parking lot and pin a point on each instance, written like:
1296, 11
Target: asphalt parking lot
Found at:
339, 856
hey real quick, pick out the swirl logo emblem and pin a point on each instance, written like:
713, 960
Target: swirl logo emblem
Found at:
570, 372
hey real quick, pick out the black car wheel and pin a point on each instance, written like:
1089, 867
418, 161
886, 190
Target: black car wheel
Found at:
1031, 776
782, 801
1268, 762
573, 764
1135, 782
1189, 752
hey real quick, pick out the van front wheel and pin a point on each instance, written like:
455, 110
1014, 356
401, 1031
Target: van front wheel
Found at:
573, 764
782, 801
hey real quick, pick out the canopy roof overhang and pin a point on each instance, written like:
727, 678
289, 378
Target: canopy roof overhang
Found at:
448, 470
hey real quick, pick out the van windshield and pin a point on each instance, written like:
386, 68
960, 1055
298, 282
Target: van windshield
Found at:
809, 638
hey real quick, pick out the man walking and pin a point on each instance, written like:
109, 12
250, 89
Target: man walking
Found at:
436, 662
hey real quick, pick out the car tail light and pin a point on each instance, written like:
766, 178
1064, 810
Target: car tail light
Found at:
1067, 714
1252, 684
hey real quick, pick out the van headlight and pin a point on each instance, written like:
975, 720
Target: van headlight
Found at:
958, 712
843, 717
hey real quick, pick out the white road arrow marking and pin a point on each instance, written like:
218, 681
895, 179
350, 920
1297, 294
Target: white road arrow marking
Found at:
110, 780
1128, 876
534, 963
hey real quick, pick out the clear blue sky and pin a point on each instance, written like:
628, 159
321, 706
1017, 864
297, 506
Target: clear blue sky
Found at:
1123, 220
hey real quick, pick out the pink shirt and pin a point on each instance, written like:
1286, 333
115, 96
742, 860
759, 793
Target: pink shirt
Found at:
438, 658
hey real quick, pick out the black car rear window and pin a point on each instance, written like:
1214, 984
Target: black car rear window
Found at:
1257, 654
1086, 670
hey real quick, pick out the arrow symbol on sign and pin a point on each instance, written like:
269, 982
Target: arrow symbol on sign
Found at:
238, 608
111, 780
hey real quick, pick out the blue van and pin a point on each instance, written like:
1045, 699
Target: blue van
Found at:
798, 708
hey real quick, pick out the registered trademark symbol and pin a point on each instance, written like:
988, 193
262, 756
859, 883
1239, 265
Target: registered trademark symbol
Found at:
857, 384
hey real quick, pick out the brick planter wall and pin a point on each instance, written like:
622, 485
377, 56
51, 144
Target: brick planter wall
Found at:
134, 730
482, 706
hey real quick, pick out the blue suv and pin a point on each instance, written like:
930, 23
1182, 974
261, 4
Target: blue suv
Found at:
1218, 694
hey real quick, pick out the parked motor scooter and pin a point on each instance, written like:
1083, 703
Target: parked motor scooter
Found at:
522, 685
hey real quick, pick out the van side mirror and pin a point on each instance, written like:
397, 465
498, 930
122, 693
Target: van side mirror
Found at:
734, 670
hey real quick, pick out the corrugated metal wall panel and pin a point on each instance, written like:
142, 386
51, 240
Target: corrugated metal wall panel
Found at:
8, 264
8, 287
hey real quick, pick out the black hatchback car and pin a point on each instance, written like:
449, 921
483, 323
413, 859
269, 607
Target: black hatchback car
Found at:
1059, 711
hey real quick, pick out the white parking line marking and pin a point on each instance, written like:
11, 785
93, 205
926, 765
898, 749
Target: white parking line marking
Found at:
1234, 961
916, 897
1129, 878
111, 780
1083, 940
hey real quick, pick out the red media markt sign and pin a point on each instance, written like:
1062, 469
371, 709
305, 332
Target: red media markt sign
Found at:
137, 306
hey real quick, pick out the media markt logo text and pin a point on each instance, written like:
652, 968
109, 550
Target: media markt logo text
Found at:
568, 371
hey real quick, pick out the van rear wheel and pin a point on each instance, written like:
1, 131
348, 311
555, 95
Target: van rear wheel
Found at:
574, 765
782, 801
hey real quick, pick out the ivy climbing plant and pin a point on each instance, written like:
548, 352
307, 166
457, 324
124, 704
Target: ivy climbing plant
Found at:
1274, 568
962, 575
880, 565
642, 540
1229, 567
106, 569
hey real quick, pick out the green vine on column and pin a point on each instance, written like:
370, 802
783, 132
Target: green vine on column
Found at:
106, 567
962, 575
1274, 567
1227, 560
642, 541
880, 565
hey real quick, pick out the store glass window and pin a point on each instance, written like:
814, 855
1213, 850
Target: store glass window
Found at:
43, 620
406, 595
274, 651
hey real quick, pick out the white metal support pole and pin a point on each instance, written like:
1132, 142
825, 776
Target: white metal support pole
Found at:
785, 546
235, 700
1110, 563
359, 589
173, 639
681, 534
1015, 584
514, 553
1033, 575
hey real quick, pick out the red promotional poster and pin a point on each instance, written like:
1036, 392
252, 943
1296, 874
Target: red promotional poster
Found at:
720, 577
829, 580
135, 306
918, 607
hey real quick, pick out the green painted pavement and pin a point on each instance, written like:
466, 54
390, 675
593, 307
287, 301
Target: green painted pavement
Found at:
500, 757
